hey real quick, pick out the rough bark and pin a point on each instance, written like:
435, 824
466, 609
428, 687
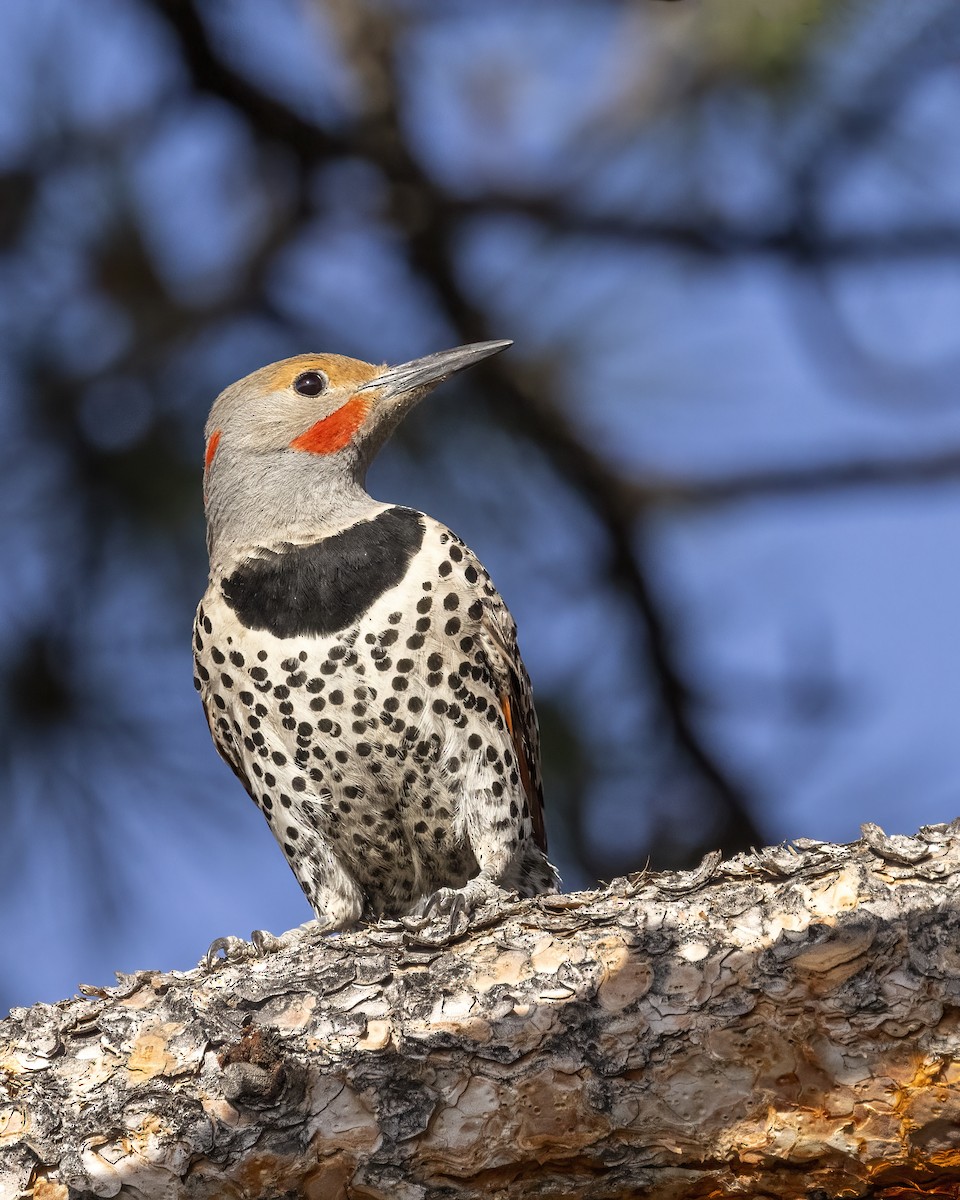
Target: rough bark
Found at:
782, 1024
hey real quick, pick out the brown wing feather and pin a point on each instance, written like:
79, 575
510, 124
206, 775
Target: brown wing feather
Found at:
529, 771
516, 703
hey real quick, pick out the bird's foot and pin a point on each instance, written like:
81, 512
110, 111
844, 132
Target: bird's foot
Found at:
227, 949
455, 906
236, 950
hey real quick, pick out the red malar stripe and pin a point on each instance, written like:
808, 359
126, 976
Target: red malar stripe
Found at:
334, 432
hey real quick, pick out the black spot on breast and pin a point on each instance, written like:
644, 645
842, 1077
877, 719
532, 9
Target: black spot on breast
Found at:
326, 586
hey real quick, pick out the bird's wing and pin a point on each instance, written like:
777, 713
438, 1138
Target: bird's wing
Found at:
499, 636
224, 747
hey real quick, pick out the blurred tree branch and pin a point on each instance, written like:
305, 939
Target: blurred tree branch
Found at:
810, 479
269, 117
713, 238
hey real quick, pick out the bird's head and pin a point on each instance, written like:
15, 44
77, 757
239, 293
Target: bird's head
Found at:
298, 433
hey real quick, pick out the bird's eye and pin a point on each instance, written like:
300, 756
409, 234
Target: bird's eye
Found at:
310, 383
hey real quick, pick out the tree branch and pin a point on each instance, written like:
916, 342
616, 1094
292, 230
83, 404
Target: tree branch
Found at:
780, 1023
270, 118
704, 235
816, 479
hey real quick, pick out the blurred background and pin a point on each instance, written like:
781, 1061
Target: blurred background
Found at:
716, 478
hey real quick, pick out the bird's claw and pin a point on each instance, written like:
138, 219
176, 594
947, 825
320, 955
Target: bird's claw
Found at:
447, 907
235, 950
262, 943
265, 942
450, 903
227, 949
456, 905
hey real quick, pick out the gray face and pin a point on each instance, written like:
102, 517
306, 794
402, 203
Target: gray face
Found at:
273, 407
288, 446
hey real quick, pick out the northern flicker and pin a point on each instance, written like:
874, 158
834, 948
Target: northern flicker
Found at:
358, 669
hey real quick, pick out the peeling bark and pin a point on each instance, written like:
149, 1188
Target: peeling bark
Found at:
783, 1024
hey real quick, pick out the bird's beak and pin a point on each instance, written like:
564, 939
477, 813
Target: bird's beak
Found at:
422, 374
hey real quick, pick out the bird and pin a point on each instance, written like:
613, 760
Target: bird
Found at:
358, 668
